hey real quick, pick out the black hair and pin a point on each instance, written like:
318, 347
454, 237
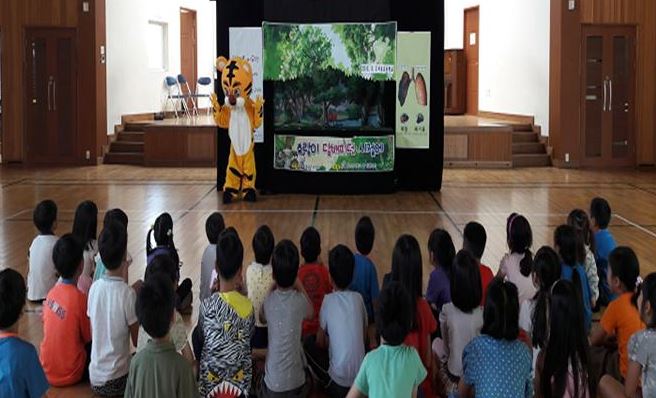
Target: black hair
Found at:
214, 225
547, 270
466, 288
115, 215
501, 313
85, 223
567, 242
364, 235
285, 263
12, 297
600, 211
113, 245
625, 266
407, 269
567, 349
163, 265
310, 245
580, 221
393, 320
162, 232
229, 254
440, 245
648, 289
44, 216
263, 243
155, 306
67, 255
341, 264
474, 239
520, 239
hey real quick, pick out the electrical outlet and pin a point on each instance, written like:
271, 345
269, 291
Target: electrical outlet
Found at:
88, 154
571, 5
567, 157
488, 93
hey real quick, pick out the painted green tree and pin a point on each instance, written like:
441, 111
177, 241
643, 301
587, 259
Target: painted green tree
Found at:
306, 51
368, 43
274, 35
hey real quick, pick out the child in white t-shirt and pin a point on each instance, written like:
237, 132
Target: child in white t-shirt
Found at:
259, 278
113, 319
41, 274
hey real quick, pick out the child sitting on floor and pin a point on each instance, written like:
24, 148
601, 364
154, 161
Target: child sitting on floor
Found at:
164, 266
516, 265
343, 328
600, 214
41, 273
474, 239
214, 225
162, 232
259, 278
226, 323
85, 225
21, 374
365, 277
441, 252
314, 277
284, 311
113, 319
393, 369
66, 328
158, 370
113, 215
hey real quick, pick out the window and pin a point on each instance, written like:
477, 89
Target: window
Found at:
157, 43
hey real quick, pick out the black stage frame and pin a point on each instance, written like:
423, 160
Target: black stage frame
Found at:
414, 169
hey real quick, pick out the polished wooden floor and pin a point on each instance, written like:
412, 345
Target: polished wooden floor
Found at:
545, 196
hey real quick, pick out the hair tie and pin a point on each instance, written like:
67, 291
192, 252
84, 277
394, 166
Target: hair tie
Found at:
169, 232
639, 281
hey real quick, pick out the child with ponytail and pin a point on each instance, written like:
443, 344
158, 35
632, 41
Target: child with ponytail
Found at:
162, 233
534, 313
642, 351
566, 243
579, 220
621, 319
516, 266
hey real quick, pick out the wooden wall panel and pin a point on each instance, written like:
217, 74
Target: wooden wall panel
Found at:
15, 17
565, 45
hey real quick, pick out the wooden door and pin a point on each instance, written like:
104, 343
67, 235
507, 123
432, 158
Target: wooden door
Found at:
470, 45
188, 48
51, 96
608, 122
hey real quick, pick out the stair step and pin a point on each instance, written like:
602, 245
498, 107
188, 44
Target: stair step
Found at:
531, 160
124, 158
528, 148
131, 136
522, 127
136, 126
127, 146
524, 137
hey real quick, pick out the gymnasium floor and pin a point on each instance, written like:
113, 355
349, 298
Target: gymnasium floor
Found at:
545, 196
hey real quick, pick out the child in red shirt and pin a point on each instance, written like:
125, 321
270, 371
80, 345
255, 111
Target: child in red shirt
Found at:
66, 326
474, 240
314, 276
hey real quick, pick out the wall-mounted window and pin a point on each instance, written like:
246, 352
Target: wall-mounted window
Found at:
158, 43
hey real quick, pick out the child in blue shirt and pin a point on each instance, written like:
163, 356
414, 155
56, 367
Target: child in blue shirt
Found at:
600, 213
21, 374
365, 278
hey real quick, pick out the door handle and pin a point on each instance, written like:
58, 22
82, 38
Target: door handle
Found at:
605, 93
610, 103
50, 81
54, 95
626, 107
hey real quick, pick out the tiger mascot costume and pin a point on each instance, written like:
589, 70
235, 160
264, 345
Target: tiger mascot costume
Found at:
241, 116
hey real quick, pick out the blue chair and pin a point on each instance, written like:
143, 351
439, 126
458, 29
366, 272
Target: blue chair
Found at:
175, 96
204, 84
188, 96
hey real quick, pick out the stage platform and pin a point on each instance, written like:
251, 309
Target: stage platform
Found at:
185, 141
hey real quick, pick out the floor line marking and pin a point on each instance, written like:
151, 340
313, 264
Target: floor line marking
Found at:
638, 226
439, 205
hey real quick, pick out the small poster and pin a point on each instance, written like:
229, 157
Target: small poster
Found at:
247, 43
334, 154
413, 90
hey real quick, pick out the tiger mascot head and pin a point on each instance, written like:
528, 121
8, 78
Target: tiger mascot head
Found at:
236, 80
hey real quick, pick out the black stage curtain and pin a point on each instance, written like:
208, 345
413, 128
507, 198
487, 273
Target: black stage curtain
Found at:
414, 169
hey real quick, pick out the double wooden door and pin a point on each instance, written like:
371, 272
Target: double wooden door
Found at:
51, 96
608, 115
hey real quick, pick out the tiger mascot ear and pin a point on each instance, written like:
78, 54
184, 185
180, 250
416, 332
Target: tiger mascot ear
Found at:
221, 63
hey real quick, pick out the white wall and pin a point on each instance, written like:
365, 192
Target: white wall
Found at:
513, 54
132, 87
